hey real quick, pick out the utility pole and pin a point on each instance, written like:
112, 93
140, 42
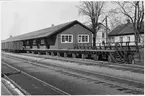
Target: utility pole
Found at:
106, 29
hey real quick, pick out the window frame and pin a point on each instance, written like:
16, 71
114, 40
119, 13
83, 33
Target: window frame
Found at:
42, 42
34, 42
27, 43
81, 38
68, 38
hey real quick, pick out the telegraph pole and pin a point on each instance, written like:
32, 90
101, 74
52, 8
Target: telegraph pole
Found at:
106, 29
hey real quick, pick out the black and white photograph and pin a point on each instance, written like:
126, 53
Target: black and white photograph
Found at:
72, 47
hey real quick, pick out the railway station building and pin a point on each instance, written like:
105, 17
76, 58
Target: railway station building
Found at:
63, 36
71, 39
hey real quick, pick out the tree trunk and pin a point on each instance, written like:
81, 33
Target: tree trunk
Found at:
94, 40
94, 37
137, 46
136, 35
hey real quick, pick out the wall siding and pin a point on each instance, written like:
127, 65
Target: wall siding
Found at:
125, 39
74, 30
54, 42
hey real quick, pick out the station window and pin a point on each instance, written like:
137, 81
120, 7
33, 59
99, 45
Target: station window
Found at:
42, 41
83, 38
27, 43
34, 42
66, 38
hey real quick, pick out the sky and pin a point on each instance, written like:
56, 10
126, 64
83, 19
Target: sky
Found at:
19, 17
22, 17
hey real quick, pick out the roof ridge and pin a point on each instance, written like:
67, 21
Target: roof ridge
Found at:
41, 32
124, 29
125, 25
46, 28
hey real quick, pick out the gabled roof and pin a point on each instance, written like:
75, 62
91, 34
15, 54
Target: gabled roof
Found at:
45, 32
124, 29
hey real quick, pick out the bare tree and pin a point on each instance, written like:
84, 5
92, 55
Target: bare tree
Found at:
115, 21
135, 12
93, 10
115, 18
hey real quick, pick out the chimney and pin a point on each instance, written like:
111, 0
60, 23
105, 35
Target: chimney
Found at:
52, 25
128, 21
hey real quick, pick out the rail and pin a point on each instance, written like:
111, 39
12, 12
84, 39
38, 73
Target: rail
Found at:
51, 86
79, 72
16, 90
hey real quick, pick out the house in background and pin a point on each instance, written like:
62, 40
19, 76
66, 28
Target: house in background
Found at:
102, 35
125, 33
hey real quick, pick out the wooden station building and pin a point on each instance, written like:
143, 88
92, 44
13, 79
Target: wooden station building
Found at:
61, 40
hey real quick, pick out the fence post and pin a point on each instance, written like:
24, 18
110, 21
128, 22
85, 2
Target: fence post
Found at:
73, 55
58, 54
38, 53
52, 53
84, 56
47, 53
65, 54
109, 58
100, 45
32, 52
96, 57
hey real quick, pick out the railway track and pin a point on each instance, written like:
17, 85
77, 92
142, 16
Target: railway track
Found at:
124, 67
54, 90
13, 87
128, 86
